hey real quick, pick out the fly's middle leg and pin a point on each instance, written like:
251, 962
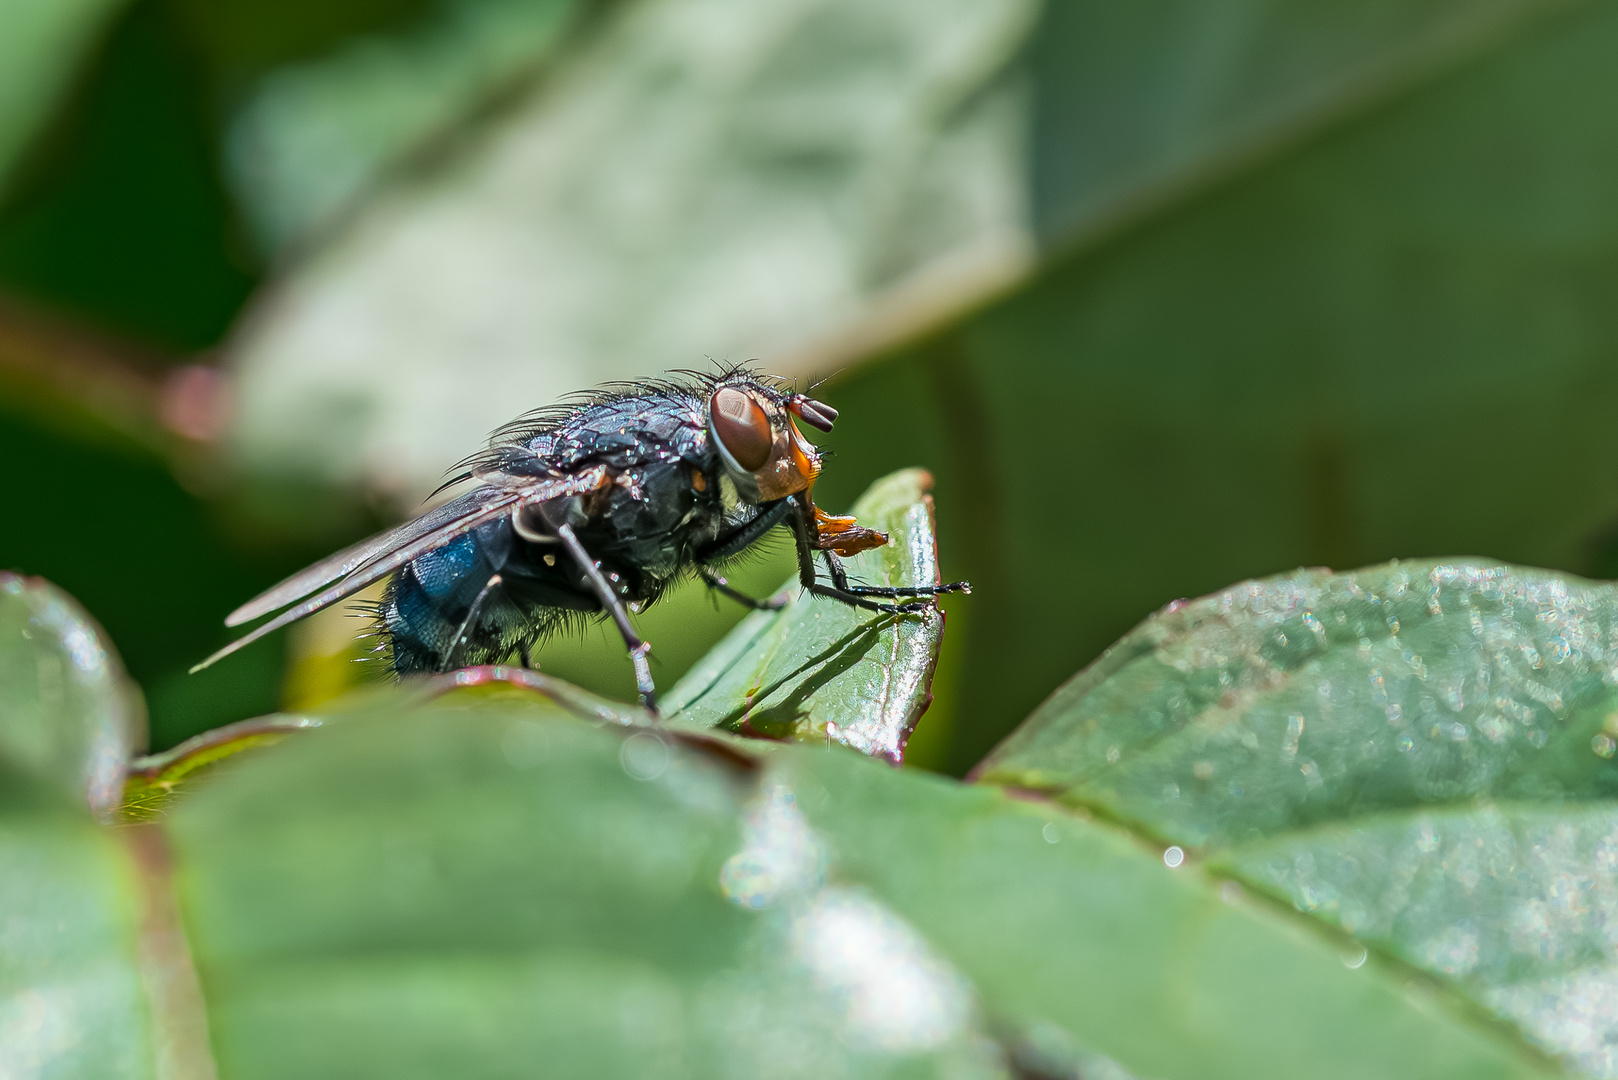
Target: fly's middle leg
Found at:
723, 587
458, 643
614, 605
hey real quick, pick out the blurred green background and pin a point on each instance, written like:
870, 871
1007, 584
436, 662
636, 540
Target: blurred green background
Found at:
1166, 294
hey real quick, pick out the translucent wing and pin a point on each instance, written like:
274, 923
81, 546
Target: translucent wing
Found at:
348, 560
347, 572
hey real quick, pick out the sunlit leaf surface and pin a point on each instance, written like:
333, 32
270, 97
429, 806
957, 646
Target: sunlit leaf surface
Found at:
482, 884
70, 993
1058, 919
1372, 746
821, 671
485, 885
701, 178
1517, 902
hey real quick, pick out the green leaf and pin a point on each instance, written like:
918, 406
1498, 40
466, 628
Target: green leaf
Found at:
1282, 703
1516, 902
1060, 919
1341, 741
71, 718
820, 671
480, 884
71, 999
42, 46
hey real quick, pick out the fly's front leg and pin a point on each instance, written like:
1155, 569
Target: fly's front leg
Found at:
839, 578
800, 525
638, 649
807, 536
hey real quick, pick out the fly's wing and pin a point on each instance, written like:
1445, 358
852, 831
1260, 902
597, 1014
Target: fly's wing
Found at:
345, 562
392, 550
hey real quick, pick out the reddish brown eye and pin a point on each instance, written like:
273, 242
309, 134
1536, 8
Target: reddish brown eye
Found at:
743, 428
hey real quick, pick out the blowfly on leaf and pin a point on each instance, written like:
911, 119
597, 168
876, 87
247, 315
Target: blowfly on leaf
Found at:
594, 507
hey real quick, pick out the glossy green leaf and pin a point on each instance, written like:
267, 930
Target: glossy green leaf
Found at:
1518, 902
43, 44
1065, 921
820, 671
71, 719
1341, 741
71, 999
485, 883
1286, 702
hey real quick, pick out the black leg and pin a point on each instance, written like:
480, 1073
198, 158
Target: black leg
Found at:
843, 596
610, 600
523, 655
839, 578
720, 585
457, 643
770, 515
839, 589
798, 523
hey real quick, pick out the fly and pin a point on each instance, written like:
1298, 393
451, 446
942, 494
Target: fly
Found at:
596, 507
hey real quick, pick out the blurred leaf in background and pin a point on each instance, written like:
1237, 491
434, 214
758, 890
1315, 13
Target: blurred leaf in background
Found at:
698, 178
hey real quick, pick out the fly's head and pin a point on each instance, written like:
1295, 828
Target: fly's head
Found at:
764, 454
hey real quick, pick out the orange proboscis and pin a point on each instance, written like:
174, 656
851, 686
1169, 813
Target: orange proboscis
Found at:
845, 536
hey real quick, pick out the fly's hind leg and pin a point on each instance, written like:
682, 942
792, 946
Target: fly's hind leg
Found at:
638, 649
457, 644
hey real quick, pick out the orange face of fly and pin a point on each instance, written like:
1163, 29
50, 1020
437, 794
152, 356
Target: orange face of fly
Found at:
764, 453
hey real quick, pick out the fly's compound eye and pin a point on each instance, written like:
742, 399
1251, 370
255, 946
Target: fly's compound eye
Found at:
742, 427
